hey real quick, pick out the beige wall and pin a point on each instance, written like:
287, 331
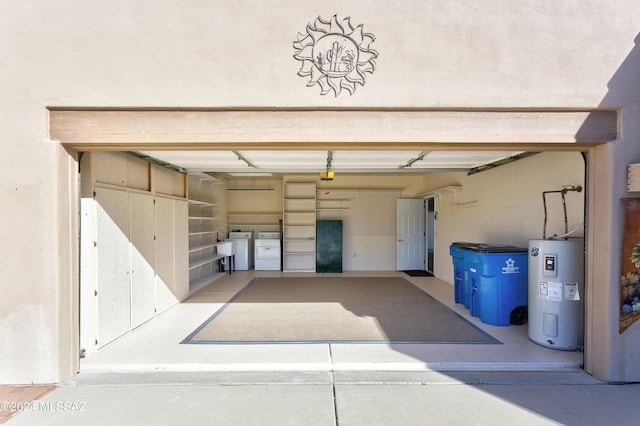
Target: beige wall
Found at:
369, 219
225, 54
254, 205
504, 205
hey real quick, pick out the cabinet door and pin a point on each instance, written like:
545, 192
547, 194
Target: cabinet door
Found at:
165, 254
141, 212
112, 264
181, 248
329, 246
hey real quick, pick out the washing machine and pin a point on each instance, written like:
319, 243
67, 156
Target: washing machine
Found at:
267, 251
244, 249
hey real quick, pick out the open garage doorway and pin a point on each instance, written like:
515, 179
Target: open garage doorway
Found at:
457, 204
171, 324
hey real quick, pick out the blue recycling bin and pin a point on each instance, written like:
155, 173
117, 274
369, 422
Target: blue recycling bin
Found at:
472, 269
461, 287
491, 280
498, 280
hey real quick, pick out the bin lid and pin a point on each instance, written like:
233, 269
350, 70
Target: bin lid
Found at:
462, 245
494, 248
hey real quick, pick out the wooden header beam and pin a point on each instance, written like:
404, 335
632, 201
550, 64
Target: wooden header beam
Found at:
330, 129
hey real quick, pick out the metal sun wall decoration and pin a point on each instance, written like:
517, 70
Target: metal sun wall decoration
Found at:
335, 55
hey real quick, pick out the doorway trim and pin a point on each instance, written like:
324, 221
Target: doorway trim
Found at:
79, 129
430, 233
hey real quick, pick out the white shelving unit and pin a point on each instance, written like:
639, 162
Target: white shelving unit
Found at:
334, 204
203, 231
256, 222
299, 223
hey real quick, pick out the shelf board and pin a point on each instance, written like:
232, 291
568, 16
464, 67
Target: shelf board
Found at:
440, 191
202, 232
201, 218
263, 224
256, 214
257, 219
202, 247
202, 203
199, 262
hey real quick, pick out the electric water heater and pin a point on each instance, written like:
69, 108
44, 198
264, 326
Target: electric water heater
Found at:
556, 293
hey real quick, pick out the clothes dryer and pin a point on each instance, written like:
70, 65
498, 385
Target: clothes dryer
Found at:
268, 251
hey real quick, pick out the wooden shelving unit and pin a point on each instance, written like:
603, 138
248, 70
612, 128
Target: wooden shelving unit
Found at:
334, 204
299, 225
204, 230
257, 221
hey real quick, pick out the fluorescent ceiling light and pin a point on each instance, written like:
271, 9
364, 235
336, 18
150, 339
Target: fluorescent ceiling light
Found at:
287, 159
371, 159
250, 174
201, 160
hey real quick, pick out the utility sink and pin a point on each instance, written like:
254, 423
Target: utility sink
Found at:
228, 248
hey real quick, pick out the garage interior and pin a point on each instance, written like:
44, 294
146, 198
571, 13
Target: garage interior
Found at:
166, 201
144, 201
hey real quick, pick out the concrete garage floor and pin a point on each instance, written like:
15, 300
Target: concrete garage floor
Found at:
154, 345
146, 377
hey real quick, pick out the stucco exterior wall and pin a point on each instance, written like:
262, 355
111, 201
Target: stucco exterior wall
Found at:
239, 53
225, 54
608, 174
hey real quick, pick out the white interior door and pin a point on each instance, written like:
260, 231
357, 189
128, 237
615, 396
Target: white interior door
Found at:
410, 254
113, 290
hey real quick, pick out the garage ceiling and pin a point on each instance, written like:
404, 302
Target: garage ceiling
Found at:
250, 163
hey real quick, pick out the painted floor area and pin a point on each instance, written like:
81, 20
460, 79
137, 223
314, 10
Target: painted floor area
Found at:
155, 345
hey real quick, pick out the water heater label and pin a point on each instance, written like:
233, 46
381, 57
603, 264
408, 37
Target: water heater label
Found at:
571, 291
551, 290
544, 288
